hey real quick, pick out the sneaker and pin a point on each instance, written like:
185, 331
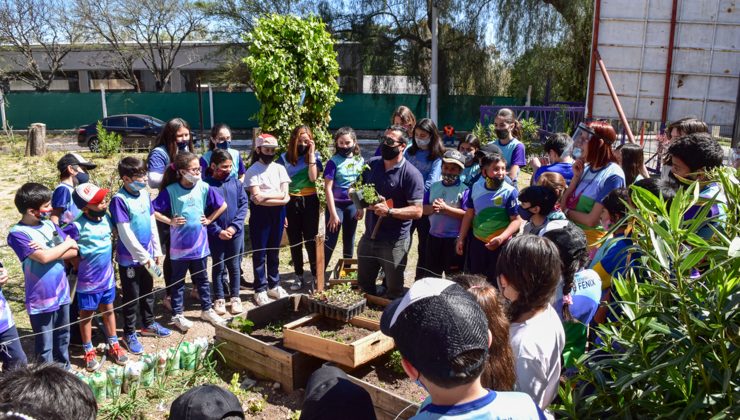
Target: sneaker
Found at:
236, 306
181, 322
117, 354
277, 292
155, 330
219, 306
211, 316
132, 343
260, 298
297, 283
167, 303
91, 361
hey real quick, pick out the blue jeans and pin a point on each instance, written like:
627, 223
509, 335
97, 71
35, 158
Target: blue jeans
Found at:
266, 231
348, 226
12, 354
225, 256
52, 346
198, 275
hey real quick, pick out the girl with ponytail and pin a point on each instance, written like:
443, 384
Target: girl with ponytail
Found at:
508, 131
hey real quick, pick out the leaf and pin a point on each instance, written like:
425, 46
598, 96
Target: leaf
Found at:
691, 260
734, 250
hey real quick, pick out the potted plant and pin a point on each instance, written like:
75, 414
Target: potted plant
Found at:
363, 195
339, 302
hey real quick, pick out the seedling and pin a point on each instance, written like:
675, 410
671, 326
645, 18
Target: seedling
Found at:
243, 325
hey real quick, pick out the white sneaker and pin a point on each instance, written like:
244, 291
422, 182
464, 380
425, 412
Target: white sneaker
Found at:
260, 298
211, 316
181, 322
219, 306
277, 292
236, 306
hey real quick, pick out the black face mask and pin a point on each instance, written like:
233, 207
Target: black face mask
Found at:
344, 151
266, 159
493, 183
502, 134
81, 178
389, 152
302, 149
96, 213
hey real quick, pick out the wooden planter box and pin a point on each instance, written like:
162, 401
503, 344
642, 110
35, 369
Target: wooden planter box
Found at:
388, 406
375, 300
352, 355
348, 265
267, 361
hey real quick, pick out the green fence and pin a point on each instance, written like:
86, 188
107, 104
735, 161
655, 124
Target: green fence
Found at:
61, 110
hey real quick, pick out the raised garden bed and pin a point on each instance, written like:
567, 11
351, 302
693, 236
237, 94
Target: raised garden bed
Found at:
374, 309
339, 302
349, 344
262, 352
345, 271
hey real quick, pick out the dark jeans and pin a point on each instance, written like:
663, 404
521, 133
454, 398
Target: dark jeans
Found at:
52, 346
164, 241
441, 257
481, 260
12, 354
198, 275
303, 225
225, 256
266, 232
391, 256
136, 281
348, 226
421, 226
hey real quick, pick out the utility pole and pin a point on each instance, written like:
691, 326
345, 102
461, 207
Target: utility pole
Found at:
434, 104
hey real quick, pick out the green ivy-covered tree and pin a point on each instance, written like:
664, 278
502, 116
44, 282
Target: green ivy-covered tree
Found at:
294, 72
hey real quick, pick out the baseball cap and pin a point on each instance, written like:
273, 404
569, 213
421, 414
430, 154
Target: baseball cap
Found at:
491, 148
72, 159
433, 324
205, 402
88, 193
453, 156
266, 140
331, 395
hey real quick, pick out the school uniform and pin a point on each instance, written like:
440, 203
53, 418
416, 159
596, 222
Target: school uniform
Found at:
96, 282
493, 405
157, 162
444, 229
592, 188
563, 168
12, 356
431, 172
514, 153
237, 169
343, 171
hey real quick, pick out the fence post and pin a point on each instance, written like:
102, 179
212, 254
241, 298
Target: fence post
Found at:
102, 100
319, 263
2, 111
36, 141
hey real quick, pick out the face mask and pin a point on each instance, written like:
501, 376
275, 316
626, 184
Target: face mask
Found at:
525, 214
502, 134
137, 186
302, 149
468, 158
576, 153
450, 179
182, 146
193, 179
44, 215
420, 385
266, 159
221, 175
96, 213
679, 178
389, 153
344, 151
493, 183
82, 177
606, 225
223, 145
423, 143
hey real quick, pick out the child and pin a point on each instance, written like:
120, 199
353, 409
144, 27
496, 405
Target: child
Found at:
226, 234
679, 128
443, 337
555, 181
403, 117
578, 299
558, 148
537, 207
341, 171
492, 211
508, 130
13, 356
221, 139
267, 184
138, 252
632, 159
499, 373
692, 156
72, 172
469, 147
443, 205
41, 247
187, 198
96, 282
536, 334
303, 164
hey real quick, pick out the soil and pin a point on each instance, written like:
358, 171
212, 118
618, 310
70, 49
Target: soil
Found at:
272, 333
379, 373
372, 311
334, 330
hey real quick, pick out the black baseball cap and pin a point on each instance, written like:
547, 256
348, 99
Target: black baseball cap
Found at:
433, 324
74, 159
330, 395
206, 402
489, 148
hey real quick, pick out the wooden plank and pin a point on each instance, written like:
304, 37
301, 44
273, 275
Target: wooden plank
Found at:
362, 322
320, 263
377, 300
387, 405
319, 347
300, 321
259, 365
265, 314
253, 344
372, 346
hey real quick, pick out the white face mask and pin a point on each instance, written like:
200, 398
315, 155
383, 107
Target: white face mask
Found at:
193, 179
423, 143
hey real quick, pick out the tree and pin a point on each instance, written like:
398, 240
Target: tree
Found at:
41, 35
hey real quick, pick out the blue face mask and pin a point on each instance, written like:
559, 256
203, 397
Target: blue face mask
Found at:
82, 177
182, 146
137, 186
224, 145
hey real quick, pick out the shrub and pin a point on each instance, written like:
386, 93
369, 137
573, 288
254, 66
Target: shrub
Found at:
109, 143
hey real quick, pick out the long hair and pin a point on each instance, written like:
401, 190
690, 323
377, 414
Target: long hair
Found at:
535, 283
172, 173
470, 139
347, 131
214, 132
436, 149
292, 154
510, 118
600, 151
633, 159
168, 137
573, 249
404, 113
499, 373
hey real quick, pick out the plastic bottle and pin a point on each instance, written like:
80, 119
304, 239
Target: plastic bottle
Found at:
115, 381
149, 362
99, 384
56, 238
154, 271
132, 375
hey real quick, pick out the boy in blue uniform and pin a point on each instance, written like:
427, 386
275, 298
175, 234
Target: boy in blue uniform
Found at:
96, 282
138, 252
42, 247
13, 357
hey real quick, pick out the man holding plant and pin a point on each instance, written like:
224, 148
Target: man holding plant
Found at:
386, 241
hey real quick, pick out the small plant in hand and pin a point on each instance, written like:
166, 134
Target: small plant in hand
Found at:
364, 195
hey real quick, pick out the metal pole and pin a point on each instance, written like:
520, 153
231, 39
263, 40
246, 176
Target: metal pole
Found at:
735, 129
210, 103
592, 65
669, 66
200, 114
102, 99
435, 64
2, 111
615, 98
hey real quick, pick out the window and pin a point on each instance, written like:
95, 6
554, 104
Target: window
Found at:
136, 122
115, 122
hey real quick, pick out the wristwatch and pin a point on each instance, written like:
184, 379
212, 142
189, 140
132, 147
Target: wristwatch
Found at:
389, 213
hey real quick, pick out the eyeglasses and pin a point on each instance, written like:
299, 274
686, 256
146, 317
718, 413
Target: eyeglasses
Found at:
194, 170
389, 141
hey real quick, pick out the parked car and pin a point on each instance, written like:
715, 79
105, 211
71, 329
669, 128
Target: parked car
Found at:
137, 131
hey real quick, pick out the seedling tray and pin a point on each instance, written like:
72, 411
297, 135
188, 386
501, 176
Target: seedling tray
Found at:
342, 269
336, 312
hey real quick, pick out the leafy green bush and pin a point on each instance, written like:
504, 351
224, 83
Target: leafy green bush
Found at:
109, 143
673, 351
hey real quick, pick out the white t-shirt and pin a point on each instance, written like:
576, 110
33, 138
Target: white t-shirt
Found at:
537, 344
268, 177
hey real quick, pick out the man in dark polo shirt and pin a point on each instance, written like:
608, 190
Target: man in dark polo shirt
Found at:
387, 247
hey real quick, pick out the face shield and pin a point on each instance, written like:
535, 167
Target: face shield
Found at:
580, 138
